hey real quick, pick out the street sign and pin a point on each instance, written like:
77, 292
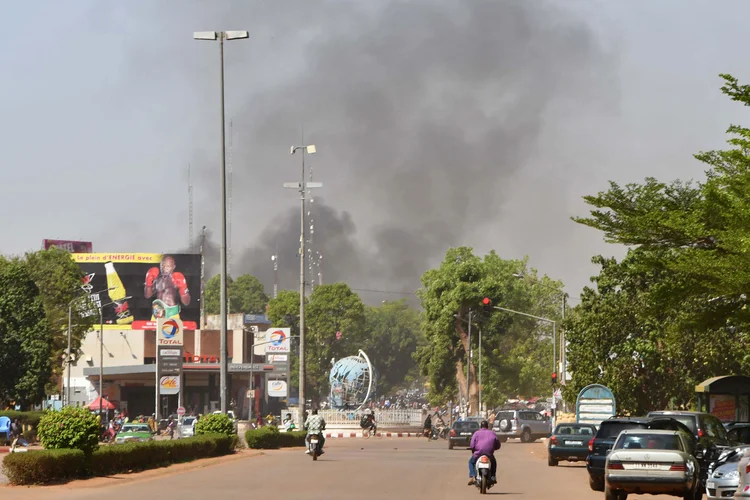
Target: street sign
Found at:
257, 367
169, 385
250, 393
169, 360
595, 404
180, 411
277, 388
169, 332
278, 358
277, 340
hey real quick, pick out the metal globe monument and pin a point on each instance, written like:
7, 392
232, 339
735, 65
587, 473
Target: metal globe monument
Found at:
353, 382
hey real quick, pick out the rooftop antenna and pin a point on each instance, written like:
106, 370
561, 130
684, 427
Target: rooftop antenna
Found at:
191, 243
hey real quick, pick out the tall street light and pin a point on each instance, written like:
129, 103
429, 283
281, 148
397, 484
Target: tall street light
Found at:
221, 36
302, 186
469, 322
101, 354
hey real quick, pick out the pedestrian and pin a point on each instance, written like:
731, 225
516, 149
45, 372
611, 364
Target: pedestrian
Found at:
170, 428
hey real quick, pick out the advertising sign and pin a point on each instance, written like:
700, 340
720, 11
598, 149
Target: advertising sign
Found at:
723, 407
277, 388
278, 358
69, 245
143, 287
278, 340
169, 385
169, 332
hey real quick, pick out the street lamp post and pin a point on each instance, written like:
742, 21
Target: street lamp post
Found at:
302, 186
101, 354
469, 322
221, 36
554, 349
275, 259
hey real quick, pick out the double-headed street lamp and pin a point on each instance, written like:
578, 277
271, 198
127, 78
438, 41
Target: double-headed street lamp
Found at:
302, 186
101, 352
221, 36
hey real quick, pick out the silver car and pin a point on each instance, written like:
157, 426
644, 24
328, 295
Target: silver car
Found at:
187, 427
528, 425
652, 461
743, 469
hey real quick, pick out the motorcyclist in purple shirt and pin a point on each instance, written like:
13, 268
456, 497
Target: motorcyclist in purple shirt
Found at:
483, 442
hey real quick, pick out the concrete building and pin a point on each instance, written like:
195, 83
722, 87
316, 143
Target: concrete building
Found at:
129, 366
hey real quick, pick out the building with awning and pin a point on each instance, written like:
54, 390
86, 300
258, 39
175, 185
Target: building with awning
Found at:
726, 396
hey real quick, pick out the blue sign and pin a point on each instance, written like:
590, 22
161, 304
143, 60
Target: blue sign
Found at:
256, 319
595, 403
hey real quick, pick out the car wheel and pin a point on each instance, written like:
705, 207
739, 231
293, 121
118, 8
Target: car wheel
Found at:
596, 484
551, 461
505, 425
450, 445
526, 436
610, 495
695, 494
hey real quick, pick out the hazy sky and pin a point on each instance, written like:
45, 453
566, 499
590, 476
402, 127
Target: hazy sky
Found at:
438, 123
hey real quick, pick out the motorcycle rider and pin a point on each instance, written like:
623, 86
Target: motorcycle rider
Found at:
483, 442
315, 424
428, 425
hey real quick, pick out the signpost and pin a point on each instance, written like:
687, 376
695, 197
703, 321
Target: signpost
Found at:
595, 404
181, 412
169, 342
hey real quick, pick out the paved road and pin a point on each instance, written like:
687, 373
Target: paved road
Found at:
352, 468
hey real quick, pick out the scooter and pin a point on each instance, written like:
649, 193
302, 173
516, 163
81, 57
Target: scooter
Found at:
314, 446
483, 480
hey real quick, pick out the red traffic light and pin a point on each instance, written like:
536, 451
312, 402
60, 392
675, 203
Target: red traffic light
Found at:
486, 301
554, 377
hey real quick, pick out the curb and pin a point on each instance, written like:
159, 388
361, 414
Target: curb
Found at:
378, 435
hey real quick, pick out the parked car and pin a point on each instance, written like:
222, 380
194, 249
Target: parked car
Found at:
743, 469
461, 432
654, 462
569, 442
187, 427
738, 432
723, 482
527, 425
134, 433
607, 434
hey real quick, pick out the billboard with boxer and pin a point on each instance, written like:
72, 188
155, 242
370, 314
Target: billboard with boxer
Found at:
135, 289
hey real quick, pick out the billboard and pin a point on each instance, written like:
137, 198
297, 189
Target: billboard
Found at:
277, 340
139, 288
70, 246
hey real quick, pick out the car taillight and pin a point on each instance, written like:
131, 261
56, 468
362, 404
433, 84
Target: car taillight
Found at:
615, 466
453, 433
484, 460
591, 444
700, 433
747, 468
553, 440
678, 468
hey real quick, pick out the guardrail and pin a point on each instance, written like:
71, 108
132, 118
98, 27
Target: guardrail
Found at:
383, 418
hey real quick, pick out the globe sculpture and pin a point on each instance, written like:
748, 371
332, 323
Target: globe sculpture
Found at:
353, 381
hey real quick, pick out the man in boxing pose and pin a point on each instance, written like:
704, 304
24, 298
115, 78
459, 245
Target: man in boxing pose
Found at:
170, 288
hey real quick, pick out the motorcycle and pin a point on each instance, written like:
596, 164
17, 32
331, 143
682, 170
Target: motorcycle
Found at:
314, 446
483, 481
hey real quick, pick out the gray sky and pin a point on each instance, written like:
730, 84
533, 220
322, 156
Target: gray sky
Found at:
438, 123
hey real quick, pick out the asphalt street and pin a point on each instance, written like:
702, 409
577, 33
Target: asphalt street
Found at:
351, 468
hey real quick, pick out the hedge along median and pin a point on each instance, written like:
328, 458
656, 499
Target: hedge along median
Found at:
47, 466
269, 438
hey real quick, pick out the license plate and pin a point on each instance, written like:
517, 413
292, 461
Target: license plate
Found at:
314, 441
466, 433
480, 465
645, 466
574, 443
710, 485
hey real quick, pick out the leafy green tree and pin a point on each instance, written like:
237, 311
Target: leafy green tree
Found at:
244, 295
215, 424
58, 279
392, 334
24, 335
517, 349
674, 311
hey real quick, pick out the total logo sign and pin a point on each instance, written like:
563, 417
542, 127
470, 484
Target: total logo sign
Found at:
277, 388
169, 331
277, 340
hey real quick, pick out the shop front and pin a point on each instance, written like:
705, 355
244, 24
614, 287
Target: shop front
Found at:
727, 397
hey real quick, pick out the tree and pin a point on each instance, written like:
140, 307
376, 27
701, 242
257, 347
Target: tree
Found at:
516, 348
674, 311
333, 309
58, 279
283, 312
392, 334
25, 335
244, 295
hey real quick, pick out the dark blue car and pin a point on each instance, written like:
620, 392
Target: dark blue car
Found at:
569, 442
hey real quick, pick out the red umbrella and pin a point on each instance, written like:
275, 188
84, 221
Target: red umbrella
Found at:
106, 405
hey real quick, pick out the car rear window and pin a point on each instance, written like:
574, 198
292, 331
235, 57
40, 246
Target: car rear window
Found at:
466, 426
649, 442
688, 420
574, 430
713, 427
610, 430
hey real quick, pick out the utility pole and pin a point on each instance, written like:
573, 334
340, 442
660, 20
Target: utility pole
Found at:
468, 373
302, 186
203, 278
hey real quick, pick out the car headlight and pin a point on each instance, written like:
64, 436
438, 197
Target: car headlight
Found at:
732, 474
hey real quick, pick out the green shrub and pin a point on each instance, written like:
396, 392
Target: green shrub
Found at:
215, 424
265, 438
291, 439
71, 427
39, 467
44, 466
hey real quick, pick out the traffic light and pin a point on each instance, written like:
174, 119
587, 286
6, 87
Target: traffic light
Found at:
487, 305
554, 378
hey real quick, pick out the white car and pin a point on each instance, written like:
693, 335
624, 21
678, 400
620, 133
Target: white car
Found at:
187, 427
743, 490
652, 461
